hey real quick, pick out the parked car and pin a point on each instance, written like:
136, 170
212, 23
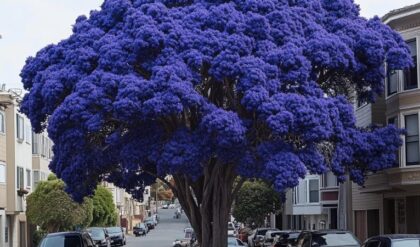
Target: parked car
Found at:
172, 205
231, 229
99, 236
156, 218
286, 239
395, 240
234, 242
187, 240
256, 239
140, 230
65, 239
165, 206
327, 238
150, 223
269, 237
117, 236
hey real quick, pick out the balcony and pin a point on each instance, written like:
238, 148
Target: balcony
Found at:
403, 177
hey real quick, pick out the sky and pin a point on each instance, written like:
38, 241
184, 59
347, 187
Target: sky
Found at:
27, 26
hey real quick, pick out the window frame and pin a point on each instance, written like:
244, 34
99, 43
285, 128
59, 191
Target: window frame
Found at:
28, 178
2, 122
388, 82
3, 168
407, 136
20, 181
415, 58
20, 128
309, 190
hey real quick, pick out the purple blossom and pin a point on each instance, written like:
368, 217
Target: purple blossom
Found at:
148, 88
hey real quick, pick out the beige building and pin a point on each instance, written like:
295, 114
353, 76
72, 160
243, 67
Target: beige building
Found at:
20, 171
390, 200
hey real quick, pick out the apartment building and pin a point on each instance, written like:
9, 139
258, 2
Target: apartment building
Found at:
389, 201
313, 204
20, 170
130, 211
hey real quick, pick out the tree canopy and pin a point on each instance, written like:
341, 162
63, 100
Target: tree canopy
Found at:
254, 201
51, 208
104, 210
209, 90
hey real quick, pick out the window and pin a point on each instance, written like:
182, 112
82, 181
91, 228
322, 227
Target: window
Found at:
392, 78
35, 143
410, 75
412, 139
36, 178
20, 127
302, 192
2, 173
2, 123
28, 134
19, 178
393, 120
329, 180
313, 190
28, 178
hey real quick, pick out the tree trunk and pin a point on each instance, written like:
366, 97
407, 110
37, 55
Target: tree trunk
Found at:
207, 202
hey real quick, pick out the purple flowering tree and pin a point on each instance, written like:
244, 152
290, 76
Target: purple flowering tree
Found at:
213, 92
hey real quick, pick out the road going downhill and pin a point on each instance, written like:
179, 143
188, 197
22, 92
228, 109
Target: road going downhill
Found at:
164, 234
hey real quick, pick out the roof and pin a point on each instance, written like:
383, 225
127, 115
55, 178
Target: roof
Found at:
401, 236
329, 231
64, 234
400, 11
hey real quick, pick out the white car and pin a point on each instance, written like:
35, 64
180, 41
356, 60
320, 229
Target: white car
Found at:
172, 205
231, 230
165, 206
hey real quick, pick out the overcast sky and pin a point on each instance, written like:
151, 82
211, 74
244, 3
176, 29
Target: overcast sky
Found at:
28, 25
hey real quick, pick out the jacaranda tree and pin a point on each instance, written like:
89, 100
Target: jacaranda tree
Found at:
209, 90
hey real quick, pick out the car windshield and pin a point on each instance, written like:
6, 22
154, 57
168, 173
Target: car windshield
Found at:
61, 241
96, 233
334, 239
293, 236
114, 229
406, 243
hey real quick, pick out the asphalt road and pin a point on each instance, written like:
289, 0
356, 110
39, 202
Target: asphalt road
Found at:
164, 234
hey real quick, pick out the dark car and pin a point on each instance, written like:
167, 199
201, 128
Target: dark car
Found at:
67, 239
117, 236
326, 238
286, 238
395, 240
140, 230
99, 236
150, 223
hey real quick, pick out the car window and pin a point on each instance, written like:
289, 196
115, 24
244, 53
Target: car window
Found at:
61, 241
373, 243
334, 239
406, 243
97, 233
114, 229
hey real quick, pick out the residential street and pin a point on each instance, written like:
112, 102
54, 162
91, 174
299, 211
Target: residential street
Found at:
164, 234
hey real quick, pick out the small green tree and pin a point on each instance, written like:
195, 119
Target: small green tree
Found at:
51, 208
104, 212
254, 201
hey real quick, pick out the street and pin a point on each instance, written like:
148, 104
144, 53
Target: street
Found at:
164, 234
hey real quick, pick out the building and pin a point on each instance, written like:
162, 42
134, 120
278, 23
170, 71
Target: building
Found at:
389, 201
20, 170
130, 212
313, 204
